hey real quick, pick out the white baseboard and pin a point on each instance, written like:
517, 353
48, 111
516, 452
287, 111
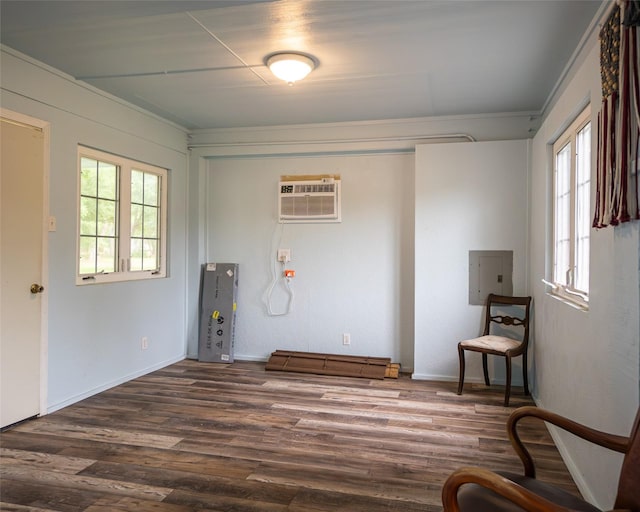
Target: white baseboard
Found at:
257, 359
470, 380
441, 378
238, 357
109, 385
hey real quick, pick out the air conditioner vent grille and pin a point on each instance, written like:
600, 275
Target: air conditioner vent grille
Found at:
309, 201
307, 206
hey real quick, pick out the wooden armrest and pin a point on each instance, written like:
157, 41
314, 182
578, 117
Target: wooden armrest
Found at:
611, 441
496, 483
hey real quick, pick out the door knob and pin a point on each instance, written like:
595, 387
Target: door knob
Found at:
36, 288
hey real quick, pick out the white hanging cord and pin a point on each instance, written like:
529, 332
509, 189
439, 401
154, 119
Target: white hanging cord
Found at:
287, 282
278, 274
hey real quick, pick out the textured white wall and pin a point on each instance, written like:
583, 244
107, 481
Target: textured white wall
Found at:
468, 196
351, 277
586, 362
373, 246
94, 331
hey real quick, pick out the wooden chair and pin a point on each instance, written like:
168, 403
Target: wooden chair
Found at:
503, 346
480, 490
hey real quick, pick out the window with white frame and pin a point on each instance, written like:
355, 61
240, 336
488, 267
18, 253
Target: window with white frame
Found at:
122, 218
571, 210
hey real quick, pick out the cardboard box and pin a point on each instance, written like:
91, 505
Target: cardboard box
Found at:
219, 292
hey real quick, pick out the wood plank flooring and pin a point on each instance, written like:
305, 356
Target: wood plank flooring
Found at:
210, 437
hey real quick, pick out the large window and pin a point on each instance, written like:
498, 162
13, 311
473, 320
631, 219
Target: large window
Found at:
122, 218
571, 211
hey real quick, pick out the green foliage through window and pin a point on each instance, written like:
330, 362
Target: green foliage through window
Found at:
98, 216
122, 217
145, 219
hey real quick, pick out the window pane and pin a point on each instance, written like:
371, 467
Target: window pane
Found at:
145, 220
137, 187
562, 228
87, 262
562, 262
150, 255
88, 215
106, 258
136, 220
107, 181
98, 216
136, 254
88, 177
582, 265
583, 198
151, 182
107, 220
151, 222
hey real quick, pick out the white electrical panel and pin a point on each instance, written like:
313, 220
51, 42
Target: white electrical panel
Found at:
489, 272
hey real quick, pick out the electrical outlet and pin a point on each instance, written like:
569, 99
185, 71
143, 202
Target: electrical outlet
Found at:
346, 339
284, 255
144, 343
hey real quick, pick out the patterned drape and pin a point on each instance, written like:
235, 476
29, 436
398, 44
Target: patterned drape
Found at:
619, 118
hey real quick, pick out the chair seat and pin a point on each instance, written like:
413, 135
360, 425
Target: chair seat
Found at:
473, 498
490, 342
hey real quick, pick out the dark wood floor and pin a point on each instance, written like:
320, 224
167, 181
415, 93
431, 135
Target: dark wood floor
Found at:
202, 436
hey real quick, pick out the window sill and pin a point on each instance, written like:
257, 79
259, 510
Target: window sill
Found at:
117, 277
569, 301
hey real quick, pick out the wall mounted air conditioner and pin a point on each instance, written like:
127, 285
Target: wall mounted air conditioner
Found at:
309, 199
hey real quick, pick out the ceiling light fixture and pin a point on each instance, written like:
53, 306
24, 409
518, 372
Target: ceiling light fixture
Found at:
289, 66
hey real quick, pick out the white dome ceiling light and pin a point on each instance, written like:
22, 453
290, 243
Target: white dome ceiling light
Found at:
289, 66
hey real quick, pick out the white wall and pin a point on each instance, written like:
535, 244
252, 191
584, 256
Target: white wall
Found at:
468, 196
357, 274
586, 362
351, 277
94, 331
355, 277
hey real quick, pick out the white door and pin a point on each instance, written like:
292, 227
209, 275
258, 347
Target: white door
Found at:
21, 268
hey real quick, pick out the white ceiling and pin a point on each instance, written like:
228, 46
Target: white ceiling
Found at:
201, 63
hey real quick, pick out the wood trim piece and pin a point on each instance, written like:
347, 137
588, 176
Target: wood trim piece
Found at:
328, 364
